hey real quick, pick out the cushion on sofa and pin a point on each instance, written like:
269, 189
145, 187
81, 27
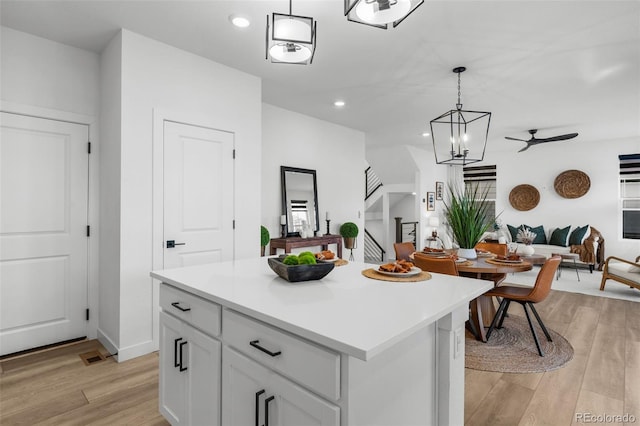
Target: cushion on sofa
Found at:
560, 237
578, 235
625, 270
513, 231
540, 238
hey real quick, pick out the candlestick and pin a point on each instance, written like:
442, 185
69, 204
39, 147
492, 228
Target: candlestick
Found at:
283, 220
327, 216
328, 221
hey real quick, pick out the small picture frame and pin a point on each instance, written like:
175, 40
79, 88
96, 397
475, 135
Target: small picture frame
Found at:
431, 201
439, 190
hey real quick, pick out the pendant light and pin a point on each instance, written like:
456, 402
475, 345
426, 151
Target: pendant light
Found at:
379, 13
290, 39
459, 136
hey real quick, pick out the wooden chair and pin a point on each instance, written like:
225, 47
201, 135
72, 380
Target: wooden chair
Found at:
526, 297
621, 270
404, 250
500, 250
440, 265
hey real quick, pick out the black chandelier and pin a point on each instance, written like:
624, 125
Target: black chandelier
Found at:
292, 39
379, 13
459, 136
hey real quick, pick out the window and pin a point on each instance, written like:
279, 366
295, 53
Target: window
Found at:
630, 195
485, 178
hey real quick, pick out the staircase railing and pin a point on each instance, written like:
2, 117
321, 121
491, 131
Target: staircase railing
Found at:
372, 182
373, 251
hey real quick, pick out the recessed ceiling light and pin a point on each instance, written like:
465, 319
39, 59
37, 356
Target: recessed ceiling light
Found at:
239, 21
425, 134
338, 104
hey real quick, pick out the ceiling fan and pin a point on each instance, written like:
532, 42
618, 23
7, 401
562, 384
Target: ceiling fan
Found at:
535, 141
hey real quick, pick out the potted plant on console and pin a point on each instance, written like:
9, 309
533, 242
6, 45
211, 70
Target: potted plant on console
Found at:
349, 231
467, 212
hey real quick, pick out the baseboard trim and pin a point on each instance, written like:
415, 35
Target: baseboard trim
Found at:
108, 344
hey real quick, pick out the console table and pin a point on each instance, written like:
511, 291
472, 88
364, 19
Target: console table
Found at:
296, 242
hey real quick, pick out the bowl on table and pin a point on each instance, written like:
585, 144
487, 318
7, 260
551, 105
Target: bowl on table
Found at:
296, 273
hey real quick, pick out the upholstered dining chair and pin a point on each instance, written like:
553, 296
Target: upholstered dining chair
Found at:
439, 265
500, 250
526, 296
404, 250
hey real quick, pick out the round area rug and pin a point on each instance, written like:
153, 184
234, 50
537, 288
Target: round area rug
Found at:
512, 349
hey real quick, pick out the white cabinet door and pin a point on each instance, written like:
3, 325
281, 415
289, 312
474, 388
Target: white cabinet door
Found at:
189, 374
255, 395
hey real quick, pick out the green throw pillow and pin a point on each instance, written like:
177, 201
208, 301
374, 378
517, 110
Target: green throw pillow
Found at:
578, 235
513, 230
540, 238
559, 236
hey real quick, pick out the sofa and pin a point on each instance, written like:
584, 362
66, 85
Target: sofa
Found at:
585, 241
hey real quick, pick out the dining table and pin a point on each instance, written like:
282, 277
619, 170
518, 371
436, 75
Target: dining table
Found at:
482, 308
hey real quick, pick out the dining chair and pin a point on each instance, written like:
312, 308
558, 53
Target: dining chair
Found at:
526, 296
439, 265
404, 251
500, 250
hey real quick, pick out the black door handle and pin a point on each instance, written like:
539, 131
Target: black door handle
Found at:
266, 409
172, 244
256, 344
175, 352
260, 392
177, 306
182, 368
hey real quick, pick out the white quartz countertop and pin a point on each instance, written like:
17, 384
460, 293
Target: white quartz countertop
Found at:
344, 311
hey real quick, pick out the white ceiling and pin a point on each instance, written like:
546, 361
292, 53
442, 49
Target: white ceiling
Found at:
558, 66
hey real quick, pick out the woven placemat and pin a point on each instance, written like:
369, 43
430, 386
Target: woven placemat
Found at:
341, 262
572, 184
372, 273
524, 197
465, 263
497, 262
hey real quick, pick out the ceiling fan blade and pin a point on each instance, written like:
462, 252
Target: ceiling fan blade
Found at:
559, 138
515, 139
525, 148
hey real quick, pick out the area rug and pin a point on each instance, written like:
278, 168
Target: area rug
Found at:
512, 349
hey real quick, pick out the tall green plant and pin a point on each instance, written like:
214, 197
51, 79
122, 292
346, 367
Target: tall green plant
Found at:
467, 212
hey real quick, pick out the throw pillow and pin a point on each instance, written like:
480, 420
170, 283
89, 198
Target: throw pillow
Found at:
513, 230
540, 238
560, 237
578, 235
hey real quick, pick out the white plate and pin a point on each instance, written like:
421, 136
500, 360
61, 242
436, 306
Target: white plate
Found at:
460, 260
435, 253
414, 271
335, 259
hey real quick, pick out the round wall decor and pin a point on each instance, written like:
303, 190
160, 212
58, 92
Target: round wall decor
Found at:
572, 184
524, 197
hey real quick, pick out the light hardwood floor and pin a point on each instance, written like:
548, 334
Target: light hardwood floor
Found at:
55, 387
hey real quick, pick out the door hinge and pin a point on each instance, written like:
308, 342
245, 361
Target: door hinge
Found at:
234, 224
88, 231
234, 154
87, 314
88, 147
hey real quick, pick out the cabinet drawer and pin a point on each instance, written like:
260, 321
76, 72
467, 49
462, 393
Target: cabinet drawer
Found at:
194, 310
305, 362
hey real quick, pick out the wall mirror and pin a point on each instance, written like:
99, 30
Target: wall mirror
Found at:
299, 199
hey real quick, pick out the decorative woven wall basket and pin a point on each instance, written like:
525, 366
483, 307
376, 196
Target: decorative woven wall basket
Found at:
572, 184
524, 197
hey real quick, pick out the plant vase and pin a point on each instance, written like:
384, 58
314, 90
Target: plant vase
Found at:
526, 250
467, 253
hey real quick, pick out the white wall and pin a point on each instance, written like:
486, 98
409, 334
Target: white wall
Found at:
335, 152
539, 167
156, 78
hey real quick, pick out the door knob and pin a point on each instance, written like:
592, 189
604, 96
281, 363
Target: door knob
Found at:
172, 244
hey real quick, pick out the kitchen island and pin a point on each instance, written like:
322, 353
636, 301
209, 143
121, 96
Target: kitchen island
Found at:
240, 345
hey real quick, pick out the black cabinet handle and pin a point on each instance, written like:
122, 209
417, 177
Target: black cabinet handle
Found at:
256, 344
177, 306
260, 392
175, 352
266, 409
182, 368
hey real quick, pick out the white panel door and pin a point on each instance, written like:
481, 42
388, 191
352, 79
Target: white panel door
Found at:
198, 195
43, 222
